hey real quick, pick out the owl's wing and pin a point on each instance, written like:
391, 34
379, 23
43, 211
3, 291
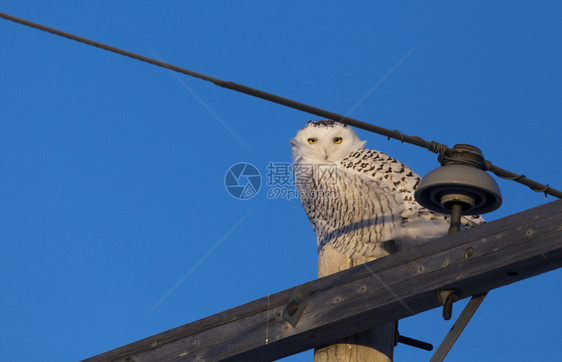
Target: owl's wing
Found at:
365, 200
353, 212
386, 171
401, 179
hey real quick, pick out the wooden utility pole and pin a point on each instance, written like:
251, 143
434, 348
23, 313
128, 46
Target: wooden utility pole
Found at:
334, 307
376, 344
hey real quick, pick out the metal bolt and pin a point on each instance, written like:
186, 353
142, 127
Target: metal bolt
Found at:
448, 306
292, 307
456, 211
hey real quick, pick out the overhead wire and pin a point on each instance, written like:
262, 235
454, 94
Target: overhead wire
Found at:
432, 146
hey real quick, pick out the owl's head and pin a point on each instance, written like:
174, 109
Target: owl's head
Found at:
324, 141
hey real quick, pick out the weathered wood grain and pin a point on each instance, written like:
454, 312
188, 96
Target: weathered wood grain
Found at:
486, 257
374, 345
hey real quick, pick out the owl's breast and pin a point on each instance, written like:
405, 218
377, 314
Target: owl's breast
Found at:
351, 212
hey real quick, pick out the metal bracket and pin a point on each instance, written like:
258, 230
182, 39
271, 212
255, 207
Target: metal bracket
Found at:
410, 341
294, 310
446, 298
457, 328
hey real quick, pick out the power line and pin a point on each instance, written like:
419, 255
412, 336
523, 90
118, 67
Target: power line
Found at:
432, 146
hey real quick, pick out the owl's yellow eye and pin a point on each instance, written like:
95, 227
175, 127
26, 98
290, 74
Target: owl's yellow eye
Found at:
337, 140
312, 141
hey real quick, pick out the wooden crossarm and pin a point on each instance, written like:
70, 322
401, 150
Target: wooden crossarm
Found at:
472, 262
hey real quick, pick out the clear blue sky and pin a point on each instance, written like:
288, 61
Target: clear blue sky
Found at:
112, 184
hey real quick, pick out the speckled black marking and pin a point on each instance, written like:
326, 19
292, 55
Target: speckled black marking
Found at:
324, 123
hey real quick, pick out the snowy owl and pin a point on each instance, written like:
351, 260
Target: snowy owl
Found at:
360, 201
